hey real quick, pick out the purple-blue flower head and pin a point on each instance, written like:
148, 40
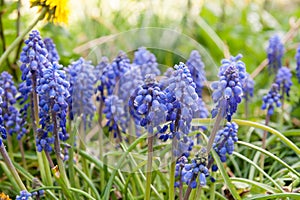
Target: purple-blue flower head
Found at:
146, 62
52, 52
147, 104
115, 115
297, 57
227, 92
275, 52
284, 80
196, 67
112, 74
248, 87
2, 128
53, 92
225, 139
271, 99
11, 116
24, 195
82, 80
33, 56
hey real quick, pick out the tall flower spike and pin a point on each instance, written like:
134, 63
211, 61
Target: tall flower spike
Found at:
101, 79
82, 79
196, 67
33, 57
297, 57
225, 139
275, 52
11, 116
284, 80
112, 74
147, 104
52, 52
271, 99
53, 91
248, 87
2, 128
227, 92
146, 61
114, 113
182, 104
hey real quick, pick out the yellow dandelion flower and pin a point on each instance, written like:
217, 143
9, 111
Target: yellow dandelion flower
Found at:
58, 10
4, 196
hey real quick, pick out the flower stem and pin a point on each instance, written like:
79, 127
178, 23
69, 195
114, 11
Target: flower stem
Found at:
149, 167
71, 158
172, 170
11, 167
42, 160
21, 36
215, 129
101, 144
263, 146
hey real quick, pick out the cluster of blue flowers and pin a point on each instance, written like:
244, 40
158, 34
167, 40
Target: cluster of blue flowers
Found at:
12, 118
2, 129
52, 52
53, 91
188, 173
284, 80
275, 52
196, 67
227, 92
271, 99
225, 139
146, 62
81, 79
24, 195
248, 87
114, 112
297, 57
147, 104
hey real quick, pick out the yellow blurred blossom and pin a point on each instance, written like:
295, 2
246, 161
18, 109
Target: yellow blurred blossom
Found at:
4, 196
58, 10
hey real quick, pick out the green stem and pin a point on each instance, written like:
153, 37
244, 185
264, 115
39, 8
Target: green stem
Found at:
149, 167
71, 158
215, 129
21, 36
263, 146
172, 171
10, 147
11, 167
10, 177
101, 149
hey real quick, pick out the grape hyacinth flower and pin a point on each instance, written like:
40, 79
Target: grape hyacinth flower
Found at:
227, 92
196, 169
82, 80
147, 104
11, 116
146, 62
225, 139
297, 57
196, 67
33, 57
53, 91
24, 195
284, 80
271, 99
275, 52
112, 74
52, 52
2, 128
248, 87
99, 71
114, 113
